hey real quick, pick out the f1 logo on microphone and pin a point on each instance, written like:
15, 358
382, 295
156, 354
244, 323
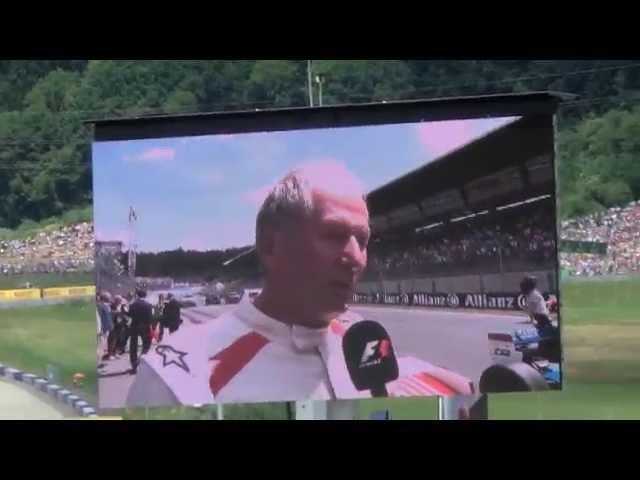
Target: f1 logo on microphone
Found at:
374, 352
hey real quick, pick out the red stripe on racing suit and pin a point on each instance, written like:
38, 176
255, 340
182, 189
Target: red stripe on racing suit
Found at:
234, 358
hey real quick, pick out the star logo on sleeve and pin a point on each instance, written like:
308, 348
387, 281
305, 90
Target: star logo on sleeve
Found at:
171, 356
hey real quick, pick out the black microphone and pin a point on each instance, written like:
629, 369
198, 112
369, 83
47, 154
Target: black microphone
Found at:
370, 358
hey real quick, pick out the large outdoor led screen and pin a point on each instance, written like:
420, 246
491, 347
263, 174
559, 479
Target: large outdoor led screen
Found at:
402, 250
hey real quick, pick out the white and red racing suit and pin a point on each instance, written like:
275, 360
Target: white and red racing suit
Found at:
244, 356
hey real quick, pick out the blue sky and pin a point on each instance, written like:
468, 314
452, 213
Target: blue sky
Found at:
203, 193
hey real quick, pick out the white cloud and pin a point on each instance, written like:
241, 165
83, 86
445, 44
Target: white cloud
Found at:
153, 155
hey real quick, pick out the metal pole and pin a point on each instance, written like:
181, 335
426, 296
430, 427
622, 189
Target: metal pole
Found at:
310, 83
308, 409
501, 267
231, 260
334, 409
220, 411
131, 256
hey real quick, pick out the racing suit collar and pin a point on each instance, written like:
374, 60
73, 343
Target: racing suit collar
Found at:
301, 338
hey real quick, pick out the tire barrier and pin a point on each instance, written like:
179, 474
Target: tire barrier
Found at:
56, 392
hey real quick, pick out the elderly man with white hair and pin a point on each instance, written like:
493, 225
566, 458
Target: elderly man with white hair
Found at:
311, 238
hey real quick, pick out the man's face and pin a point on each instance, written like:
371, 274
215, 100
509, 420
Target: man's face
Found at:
325, 255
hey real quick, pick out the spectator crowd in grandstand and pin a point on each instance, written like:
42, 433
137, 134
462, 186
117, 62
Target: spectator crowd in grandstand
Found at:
524, 236
498, 239
66, 249
586, 264
483, 244
619, 228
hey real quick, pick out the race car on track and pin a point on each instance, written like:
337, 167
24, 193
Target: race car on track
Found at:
526, 359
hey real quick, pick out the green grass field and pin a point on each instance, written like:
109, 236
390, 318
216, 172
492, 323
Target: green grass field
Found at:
601, 338
60, 335
46, 280
601, 335
267, 411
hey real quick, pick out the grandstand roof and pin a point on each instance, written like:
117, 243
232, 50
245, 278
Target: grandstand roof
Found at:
509, 146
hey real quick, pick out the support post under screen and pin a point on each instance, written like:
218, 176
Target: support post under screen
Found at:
327, 410
464, 407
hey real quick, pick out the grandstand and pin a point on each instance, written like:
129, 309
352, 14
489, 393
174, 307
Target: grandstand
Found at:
473, 221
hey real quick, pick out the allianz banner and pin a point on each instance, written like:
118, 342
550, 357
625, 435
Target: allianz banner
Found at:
492, 301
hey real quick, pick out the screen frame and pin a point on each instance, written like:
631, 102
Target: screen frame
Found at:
300, 118
534, 104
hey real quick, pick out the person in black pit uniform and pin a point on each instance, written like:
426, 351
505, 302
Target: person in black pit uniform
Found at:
141, 313
171, 316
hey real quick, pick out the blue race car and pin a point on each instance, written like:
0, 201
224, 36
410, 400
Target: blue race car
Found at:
538, 348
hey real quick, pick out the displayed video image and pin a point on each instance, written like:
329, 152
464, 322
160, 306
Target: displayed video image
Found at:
401, 260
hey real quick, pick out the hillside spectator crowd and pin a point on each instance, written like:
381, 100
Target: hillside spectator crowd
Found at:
619, 227
65, 249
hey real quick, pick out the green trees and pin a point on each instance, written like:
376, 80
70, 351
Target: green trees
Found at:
599, 162
365, 80
281, 82
45, 146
